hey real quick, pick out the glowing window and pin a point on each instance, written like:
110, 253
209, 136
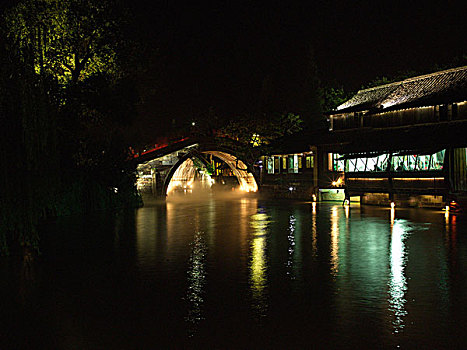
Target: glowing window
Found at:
422, 162
335, 163
437, 160
270, 165
368, 164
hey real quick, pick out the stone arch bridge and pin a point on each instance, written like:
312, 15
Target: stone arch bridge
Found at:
182, 165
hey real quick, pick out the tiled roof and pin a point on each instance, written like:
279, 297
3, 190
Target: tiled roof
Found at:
431, 89
368, 98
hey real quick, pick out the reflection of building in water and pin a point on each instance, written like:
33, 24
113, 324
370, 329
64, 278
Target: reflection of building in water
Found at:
258, 262
334, 241
146, 237
291, 246
314, 233
246, 208
196, 281
398, 281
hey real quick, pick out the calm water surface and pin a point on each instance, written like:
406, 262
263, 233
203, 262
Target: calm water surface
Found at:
242, 273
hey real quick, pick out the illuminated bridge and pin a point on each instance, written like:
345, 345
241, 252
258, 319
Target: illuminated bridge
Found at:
403, 142
189, 164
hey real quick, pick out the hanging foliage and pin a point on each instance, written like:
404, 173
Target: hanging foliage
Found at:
65, 103
68, 39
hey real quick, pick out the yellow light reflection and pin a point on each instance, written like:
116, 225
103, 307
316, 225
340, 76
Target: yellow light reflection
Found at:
258, 263
347, 211
334, 241
314, 233
393, 216
398, 281
146, 237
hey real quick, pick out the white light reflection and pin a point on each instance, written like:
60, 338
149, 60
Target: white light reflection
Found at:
334, 241
258, 263
398, 281
291, 247
196, 282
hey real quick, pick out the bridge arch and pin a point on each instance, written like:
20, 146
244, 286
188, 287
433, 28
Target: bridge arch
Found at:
185, 170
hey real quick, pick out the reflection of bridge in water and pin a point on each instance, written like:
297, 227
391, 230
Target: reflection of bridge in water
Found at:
189, 164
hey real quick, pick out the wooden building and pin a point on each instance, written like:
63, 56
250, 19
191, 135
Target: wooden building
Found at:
405, 141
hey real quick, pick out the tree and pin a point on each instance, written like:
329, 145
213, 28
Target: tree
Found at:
68, 39
333, 97
67, 100
29, 170
250, 137
311, 105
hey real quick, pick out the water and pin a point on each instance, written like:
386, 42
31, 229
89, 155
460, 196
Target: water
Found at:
242, 273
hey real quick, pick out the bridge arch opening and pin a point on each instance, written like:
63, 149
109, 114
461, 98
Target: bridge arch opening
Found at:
201, 171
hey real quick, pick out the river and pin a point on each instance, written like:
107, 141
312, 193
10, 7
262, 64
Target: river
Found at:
241, 272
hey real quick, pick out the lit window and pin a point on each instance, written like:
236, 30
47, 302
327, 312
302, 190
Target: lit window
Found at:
270, 162
335, 163
309, 162
423, 162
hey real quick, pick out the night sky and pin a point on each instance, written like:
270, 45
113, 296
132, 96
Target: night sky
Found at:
225, 55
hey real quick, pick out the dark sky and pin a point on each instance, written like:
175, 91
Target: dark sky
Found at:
226, 54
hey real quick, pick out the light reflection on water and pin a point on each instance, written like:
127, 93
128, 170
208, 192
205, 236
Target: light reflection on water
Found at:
398, 282
291, 248
358, 251
314, 232
196, 282
259, 222
249, 273
334, 240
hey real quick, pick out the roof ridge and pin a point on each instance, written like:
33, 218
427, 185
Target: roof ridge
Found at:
424, 76
418, 77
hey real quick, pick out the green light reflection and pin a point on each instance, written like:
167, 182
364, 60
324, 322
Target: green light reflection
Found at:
398, 282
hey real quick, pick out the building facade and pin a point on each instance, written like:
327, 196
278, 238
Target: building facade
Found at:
404, 142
